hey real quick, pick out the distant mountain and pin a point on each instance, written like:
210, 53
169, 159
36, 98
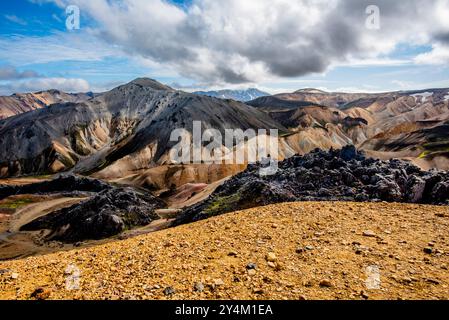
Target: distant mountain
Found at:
238, 95
25, 102
404, 124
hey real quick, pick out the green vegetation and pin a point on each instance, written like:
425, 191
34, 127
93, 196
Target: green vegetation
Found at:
222, 205
42, 177
433, 149
16, 203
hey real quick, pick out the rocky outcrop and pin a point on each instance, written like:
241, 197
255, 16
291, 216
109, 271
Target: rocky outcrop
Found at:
337, 175
106, 214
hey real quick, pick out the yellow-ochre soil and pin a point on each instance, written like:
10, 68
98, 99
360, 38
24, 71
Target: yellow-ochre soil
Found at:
307, 250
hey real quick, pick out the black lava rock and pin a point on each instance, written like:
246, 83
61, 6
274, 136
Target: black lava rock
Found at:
62, 184
106, 214
335, 175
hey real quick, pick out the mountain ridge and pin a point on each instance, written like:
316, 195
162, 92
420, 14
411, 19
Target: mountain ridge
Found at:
238, 95
18, 103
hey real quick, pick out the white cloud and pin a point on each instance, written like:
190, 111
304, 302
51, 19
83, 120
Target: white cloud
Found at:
238, 41
411, 85
438, 55
11, 73
32, 85
61, 46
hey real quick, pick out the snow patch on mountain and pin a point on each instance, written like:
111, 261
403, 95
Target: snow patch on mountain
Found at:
238, 95
423, 95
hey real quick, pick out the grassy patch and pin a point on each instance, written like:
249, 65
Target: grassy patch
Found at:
16, 203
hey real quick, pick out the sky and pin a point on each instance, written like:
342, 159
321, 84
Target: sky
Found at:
274, 45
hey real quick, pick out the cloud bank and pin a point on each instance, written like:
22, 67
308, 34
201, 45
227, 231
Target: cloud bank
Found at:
33, 85
11, 73
238, 41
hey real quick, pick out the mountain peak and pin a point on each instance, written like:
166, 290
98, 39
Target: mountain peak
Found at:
150, 83
311, 91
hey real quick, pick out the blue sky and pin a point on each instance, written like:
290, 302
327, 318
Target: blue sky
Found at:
198, 44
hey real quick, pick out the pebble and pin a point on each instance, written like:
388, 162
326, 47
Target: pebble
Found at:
271, 264
433, 281
326, 283
169, 291
364, 294
41, 293
308, 284
252, 272
250, 266
258, 291
219, 282
14, 276
271, 257
199, 287
428, 250
369, 234
232, 254
310, 248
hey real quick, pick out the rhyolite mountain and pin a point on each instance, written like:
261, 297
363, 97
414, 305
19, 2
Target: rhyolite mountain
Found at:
238, 95
24, 102
405, 124
123, 134
127, 128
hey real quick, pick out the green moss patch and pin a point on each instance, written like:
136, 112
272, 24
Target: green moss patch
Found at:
222, 204
15, 203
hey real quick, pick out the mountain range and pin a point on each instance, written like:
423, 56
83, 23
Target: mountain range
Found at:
25, 102
123, 134
238, 95
409, 124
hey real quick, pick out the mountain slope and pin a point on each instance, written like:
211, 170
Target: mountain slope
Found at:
237, 95
20, 103
133, 121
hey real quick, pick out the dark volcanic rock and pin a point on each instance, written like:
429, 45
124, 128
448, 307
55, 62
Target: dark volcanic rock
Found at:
64, 183
108, 213
337, 175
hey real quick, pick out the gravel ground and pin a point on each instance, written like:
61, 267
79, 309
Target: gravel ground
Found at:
309, 250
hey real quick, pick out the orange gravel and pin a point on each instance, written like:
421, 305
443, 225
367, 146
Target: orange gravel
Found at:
304, 250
